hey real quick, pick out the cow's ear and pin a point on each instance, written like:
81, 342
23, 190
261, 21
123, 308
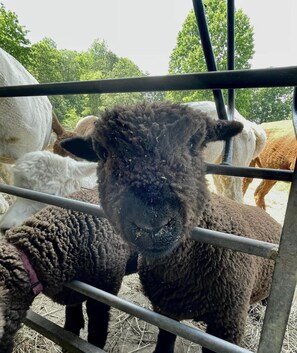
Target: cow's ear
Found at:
81, 147
213, 130
217, 130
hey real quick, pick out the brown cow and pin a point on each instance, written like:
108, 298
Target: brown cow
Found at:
279, 153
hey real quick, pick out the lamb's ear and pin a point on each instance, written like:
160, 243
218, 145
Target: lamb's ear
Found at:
81, 147
221, 129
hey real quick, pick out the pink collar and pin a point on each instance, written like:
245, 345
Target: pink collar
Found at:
36, 285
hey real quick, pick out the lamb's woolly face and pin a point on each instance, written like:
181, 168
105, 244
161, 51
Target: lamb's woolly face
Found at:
151, 172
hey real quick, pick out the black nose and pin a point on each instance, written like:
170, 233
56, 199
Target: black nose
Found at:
149, 207
151, 218
151, 221
152, 194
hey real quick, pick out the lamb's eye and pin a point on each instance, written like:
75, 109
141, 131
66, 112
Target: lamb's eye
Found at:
192, 145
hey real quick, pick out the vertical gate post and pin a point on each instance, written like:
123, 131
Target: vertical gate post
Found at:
208, 54
284, 280
212, 66
228, 153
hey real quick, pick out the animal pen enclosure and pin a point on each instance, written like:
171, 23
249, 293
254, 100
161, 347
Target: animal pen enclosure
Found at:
284, 254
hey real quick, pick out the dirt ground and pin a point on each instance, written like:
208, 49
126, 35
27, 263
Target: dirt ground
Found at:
128, 334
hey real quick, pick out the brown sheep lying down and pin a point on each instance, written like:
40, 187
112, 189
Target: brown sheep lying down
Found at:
280, 152
56, 246
152, 186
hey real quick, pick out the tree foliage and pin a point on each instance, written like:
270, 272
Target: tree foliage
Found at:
271, 104
45, 60
188, 56
101, 58
49, 64
13, 36
124, 67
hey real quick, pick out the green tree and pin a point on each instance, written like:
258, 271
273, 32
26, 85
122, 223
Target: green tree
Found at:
93, 103
187, 56
155, 96
45, 65
13, 36
101, 58
271, 104
124, 67
48, 64
72, 68
45, 62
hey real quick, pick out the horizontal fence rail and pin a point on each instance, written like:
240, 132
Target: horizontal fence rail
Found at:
180, 329
250, 172
272, 77
234, 242
57, 334
95, 210
261, 173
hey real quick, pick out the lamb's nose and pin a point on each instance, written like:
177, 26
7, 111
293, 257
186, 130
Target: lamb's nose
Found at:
149, 208
151, 223
150, 194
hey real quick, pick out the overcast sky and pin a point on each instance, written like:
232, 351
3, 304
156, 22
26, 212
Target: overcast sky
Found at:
146, 31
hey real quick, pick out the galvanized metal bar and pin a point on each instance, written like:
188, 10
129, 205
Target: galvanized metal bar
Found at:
251, 78
284, 280
180, 329
57, 334
294, 110
260, 173
95, 210
228, 151
204, 35
230, 35
216, 238
208, 54
235, 242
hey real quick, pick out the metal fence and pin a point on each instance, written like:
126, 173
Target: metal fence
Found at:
284, 253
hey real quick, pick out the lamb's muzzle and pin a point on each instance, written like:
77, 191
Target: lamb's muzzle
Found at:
151, 218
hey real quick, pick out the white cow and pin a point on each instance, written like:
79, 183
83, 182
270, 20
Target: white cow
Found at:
246, 146
25, 122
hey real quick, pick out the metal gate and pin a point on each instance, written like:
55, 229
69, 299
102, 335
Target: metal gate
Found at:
284, 254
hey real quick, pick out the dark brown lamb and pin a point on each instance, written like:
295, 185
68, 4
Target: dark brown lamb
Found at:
152, 186
62, 245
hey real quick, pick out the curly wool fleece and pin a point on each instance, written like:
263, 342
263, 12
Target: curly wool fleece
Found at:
61, 245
